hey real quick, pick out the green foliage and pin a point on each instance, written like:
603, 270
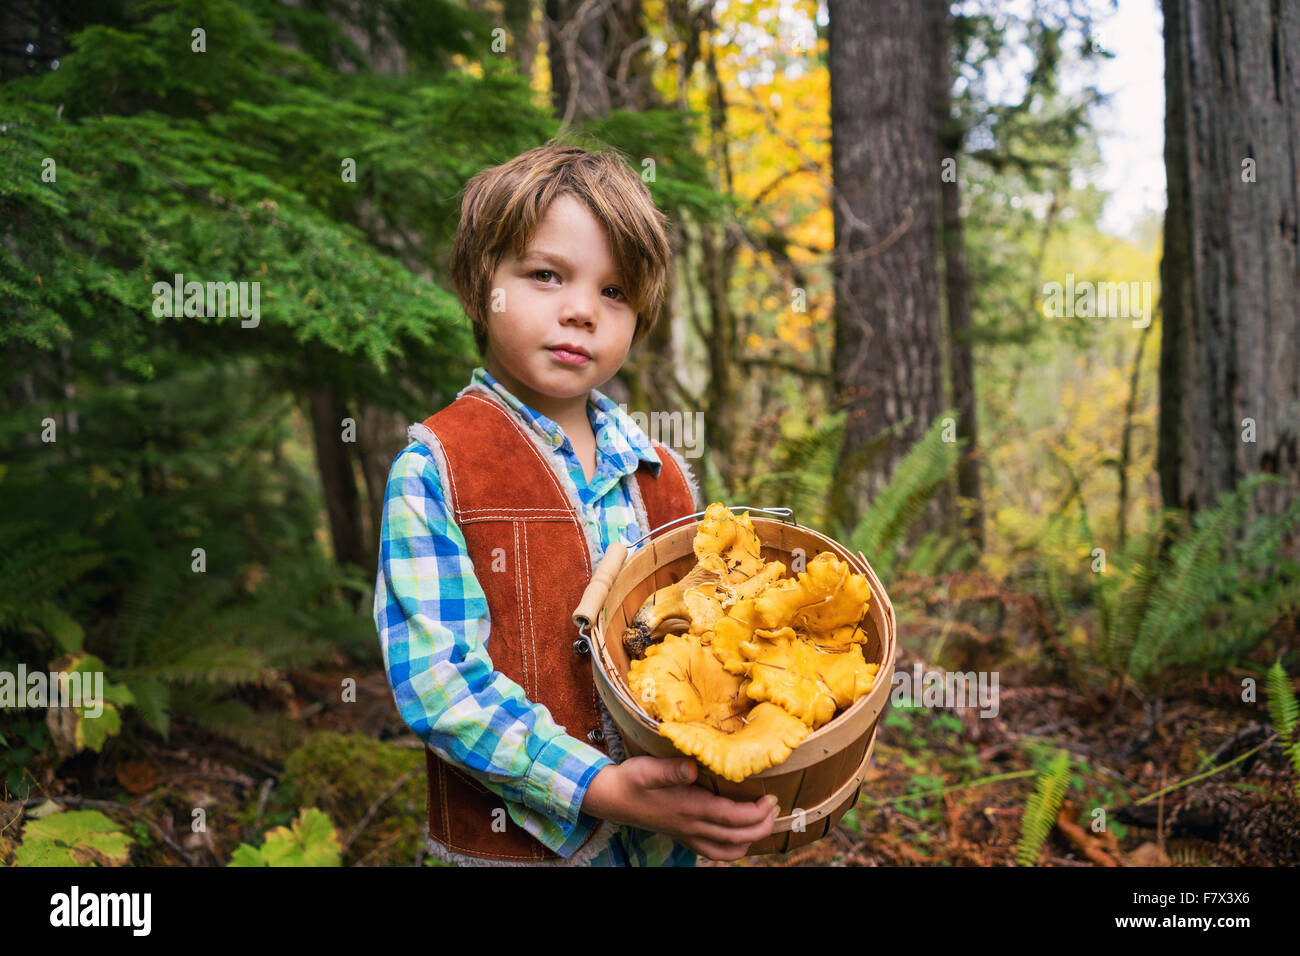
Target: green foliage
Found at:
882, 530
77, 728
25, 739
345, 774
1285, 712
801, 472
73, 838
311, 842
1042, 807
1198, 594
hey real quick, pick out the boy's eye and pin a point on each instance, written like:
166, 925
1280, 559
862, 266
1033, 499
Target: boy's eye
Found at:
547, 272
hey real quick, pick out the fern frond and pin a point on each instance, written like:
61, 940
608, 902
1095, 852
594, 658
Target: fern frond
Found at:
1185, 593
1126, 605
1042, 807
885, 524
801, 472
230, 666
1282, 706
1285, 713
267, 734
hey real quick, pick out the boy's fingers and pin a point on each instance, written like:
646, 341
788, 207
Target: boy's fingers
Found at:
732, 813
661, 772
720, 852
731, 836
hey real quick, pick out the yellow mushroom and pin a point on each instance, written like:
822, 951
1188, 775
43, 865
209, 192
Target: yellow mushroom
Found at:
729, 566
805, 682
680, 680
768, 736
825, 596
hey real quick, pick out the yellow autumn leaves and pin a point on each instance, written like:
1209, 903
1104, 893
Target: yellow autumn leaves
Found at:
759, 659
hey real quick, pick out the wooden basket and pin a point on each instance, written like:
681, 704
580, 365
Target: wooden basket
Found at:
820, 780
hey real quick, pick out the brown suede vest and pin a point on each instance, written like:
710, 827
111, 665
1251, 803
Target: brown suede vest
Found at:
504, 495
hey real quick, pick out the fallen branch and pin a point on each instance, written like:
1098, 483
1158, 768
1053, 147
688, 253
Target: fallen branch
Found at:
1075, 834
1209, 773
374, 807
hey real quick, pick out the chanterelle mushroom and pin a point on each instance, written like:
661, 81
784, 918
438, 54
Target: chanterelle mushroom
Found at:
680, 680
766, 739
729, 566
805, 682
668, 610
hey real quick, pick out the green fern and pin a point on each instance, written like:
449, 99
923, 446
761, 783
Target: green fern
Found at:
1188, 585
937, 554
1042, 808
882, 529
270, 735
1285, 712
801, 473
1188, 595
1130, 594
37, 569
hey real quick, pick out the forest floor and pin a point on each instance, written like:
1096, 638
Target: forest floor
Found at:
946, 787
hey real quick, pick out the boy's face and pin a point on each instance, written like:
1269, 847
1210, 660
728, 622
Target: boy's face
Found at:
565, 290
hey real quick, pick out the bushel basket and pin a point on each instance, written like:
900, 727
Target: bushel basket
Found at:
822, 777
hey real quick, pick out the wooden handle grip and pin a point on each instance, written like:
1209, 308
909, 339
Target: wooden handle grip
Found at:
598, 588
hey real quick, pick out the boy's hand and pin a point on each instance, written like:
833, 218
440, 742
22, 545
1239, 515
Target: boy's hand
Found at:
657, 794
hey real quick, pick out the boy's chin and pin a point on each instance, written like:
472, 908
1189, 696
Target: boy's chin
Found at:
554, 377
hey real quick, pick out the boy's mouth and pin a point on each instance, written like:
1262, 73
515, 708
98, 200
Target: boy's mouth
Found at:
569, 355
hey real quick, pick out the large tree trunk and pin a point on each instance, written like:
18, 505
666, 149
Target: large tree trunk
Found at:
956, 274
1230, 276
887, 363
334, 461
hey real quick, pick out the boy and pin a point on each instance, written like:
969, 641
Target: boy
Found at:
497, 513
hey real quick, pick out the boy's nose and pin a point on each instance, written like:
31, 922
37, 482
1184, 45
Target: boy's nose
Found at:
579, 316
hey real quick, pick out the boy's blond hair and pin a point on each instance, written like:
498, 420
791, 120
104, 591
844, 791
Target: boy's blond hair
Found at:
503, 205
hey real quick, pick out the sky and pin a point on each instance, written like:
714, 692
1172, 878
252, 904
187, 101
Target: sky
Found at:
1131, 125
1132, 129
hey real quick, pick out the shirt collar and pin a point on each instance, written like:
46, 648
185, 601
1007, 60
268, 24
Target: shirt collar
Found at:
617, 435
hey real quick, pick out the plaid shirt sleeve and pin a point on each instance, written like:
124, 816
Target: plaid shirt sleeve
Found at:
433, 622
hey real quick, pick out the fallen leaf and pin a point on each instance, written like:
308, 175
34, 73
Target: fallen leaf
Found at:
137, 776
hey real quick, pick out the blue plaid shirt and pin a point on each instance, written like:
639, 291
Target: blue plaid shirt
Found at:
433, 623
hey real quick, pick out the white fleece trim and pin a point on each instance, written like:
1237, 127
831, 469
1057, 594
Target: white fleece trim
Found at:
421, 433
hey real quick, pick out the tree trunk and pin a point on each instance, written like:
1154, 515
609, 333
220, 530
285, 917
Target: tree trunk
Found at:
961, 361
1230, 276
334, 460
599, 62
887, 363
518, 15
